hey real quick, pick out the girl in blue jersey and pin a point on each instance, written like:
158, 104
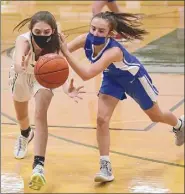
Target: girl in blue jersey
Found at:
122, 74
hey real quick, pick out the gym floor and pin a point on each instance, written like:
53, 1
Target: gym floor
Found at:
143, 154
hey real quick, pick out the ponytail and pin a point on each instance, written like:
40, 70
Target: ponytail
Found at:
125, 24
22, 24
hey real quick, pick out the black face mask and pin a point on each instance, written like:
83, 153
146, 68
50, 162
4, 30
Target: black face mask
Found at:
41, 41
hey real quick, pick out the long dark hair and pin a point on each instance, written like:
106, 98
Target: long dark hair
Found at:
125, 24
45, 16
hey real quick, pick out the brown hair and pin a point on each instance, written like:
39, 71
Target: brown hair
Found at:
45, 16
125, 24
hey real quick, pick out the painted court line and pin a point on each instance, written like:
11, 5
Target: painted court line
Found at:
171, 109
111, 151
119, 153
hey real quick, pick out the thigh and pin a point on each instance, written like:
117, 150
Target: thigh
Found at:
42, 100
106, 106
21, 86
37, 87
42, 96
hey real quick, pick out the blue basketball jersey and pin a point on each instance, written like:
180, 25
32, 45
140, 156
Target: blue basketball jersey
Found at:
129, 67
127, 76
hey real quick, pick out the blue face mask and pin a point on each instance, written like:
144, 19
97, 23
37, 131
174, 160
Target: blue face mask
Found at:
95, 39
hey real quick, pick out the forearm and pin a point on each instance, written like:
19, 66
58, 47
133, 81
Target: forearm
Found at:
18, 69
20, 52
81, 71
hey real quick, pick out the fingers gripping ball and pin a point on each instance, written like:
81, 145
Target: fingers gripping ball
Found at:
51, 70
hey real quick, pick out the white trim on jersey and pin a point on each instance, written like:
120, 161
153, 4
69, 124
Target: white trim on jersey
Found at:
94, 58
121, 65
131, 64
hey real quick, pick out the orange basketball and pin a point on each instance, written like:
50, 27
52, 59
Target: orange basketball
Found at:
51, 70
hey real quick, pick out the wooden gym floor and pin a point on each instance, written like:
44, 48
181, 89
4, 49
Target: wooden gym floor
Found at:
143, 154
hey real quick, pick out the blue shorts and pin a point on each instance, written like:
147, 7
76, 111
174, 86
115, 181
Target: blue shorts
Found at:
111, 0
140, 89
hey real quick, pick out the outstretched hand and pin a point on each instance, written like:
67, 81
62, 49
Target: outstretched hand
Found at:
75, 92
63, 43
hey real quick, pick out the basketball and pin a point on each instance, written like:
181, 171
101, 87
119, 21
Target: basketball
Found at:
51, 70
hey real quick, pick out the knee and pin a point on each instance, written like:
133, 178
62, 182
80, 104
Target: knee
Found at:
40, 114
156, 118
42, 102
101, 121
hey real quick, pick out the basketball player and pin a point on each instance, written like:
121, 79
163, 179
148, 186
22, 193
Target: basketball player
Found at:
122, 74
42, 38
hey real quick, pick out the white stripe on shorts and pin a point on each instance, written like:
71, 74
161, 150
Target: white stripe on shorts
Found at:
148, 88
152, 86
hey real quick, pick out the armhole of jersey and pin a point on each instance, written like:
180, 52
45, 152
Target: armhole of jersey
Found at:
27, 38
122, 50
86, 42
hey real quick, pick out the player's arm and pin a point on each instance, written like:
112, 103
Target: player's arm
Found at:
77, 43
72, 46
87, 72
21, 50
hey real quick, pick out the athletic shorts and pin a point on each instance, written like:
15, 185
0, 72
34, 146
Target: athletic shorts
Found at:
111, 0
23, 86
140, 89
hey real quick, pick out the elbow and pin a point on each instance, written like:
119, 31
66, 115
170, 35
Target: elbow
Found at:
18, 68
86, 75
85, 78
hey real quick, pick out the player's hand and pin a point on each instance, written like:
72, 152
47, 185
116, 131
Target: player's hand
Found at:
75, 92
63, 44
25, 61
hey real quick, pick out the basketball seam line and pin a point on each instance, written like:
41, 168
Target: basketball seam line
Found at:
52, 72
58, 57
48, 82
